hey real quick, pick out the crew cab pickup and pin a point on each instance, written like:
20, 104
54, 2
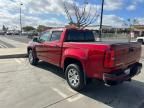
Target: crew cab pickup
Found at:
83, 58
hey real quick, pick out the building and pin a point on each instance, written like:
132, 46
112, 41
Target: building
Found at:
138, 30
96, 27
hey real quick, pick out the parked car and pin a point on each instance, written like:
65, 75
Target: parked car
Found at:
82, 58
16, 32
140, 39
10, 32
32, 34
24, 33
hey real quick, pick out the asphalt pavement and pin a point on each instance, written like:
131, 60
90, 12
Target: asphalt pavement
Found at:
44, 86
10, 44
5, 45
13, 42
12, 48
22, 39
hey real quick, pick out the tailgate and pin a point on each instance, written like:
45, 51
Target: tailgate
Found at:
126, 53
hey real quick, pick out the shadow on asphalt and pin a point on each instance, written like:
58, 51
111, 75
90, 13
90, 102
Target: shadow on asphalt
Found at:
128, 94
51, 68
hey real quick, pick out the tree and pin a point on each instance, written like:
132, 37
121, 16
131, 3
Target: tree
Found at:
130, 24
28, 28
81, 16
5, 29
42, 28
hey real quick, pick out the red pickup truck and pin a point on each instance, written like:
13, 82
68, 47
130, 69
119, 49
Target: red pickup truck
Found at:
82, 57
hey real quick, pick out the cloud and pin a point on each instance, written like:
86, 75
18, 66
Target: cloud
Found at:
47, 6
9, 14
13, 20
131, 7
134, 4
33, 11
112, 20
111, 5
141, 21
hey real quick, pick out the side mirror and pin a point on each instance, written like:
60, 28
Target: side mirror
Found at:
35, 39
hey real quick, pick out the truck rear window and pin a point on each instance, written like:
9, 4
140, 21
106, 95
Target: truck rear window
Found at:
80, 36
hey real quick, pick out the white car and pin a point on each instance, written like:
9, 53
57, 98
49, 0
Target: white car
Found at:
140, 39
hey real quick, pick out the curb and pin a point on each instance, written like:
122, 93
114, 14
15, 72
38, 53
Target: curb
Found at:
13, 56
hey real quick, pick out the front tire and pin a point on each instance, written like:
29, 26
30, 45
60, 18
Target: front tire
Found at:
75, 77
33, 60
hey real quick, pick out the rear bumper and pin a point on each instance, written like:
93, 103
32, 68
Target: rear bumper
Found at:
120, 75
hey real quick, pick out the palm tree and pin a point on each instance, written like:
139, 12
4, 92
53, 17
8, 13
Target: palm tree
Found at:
130, 24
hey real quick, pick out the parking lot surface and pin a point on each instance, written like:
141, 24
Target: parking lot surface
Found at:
44, 86
5, 45
23, 39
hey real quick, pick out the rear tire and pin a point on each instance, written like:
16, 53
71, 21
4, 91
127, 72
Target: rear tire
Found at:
33, 60
75, 77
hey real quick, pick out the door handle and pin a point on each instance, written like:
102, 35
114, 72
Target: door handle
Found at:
56, 46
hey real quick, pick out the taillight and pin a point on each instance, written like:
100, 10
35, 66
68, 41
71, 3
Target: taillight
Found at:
109, 61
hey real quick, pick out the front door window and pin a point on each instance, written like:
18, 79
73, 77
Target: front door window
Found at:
45, 36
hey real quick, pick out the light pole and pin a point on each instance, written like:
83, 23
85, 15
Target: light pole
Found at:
101, 20
20, 19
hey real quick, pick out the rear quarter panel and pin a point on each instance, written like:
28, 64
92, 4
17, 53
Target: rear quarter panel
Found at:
91, 57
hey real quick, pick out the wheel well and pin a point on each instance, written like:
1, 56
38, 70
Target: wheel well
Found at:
140, 40
29, 49
70, 61
35, 55
75, 61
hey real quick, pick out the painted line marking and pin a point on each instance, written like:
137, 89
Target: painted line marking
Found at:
72, 99
60, 93
71, 90
18, 61
22, 59
3, 46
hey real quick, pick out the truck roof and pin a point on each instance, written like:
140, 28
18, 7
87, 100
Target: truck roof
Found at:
62, 29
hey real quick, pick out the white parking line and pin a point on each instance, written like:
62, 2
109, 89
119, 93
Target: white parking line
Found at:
72, 99
22, 59
18, 61
60, 93
3, 46
71, 90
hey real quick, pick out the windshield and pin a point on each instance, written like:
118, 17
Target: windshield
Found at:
80, 36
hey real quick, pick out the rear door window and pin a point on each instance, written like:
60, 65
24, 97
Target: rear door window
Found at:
80, 36
89, 36
56, 35
75, 36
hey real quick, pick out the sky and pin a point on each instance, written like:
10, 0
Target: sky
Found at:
51, 12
